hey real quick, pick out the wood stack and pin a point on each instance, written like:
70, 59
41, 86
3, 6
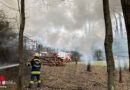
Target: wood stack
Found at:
52, 60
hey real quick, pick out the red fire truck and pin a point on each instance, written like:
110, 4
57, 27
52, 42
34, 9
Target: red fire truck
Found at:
63, 55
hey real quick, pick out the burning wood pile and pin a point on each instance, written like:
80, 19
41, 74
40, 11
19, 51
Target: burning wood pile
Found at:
52, 60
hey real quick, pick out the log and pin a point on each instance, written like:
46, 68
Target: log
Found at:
52, 60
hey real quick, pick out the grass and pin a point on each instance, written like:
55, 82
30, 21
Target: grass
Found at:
103, 63
94, 63
76, 77
99, 63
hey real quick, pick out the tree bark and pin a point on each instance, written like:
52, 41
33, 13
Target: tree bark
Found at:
89, 66
126, 12
76, 61
20, 57
120, 76
108, 46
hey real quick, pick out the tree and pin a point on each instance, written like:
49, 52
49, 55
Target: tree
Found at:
126, 12
20, 57
4, 24
108, 46
75, 56
98, 54
89, 66
120, 76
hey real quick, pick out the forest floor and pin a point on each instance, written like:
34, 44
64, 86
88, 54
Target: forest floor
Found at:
75, 77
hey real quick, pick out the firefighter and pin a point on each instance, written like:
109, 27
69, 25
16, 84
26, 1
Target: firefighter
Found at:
35, 72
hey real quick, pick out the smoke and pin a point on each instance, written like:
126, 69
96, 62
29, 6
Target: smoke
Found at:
72, 24
76, 27
120, 45
8, 47
8, 41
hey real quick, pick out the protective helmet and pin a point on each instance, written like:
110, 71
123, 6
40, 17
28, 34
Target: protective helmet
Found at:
36, 54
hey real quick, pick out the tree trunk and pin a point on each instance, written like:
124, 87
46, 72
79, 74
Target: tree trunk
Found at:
108, 46
89, 66
120, 76
76, 61
20, 57
126, 12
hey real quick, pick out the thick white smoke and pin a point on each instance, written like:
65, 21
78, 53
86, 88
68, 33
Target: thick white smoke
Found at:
74, 27
72, 24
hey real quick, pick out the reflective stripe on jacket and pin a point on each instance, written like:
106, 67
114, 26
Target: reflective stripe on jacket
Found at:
35, 72
36, 66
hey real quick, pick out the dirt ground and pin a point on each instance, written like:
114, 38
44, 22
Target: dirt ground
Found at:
75, 77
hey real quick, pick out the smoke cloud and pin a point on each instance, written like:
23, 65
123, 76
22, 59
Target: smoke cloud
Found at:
71, 24
74, 27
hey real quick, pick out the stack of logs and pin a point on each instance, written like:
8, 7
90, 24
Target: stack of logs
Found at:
52, 60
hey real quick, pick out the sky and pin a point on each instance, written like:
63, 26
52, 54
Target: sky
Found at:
66, 24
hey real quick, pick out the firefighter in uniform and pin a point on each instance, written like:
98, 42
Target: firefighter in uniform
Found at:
35, 72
